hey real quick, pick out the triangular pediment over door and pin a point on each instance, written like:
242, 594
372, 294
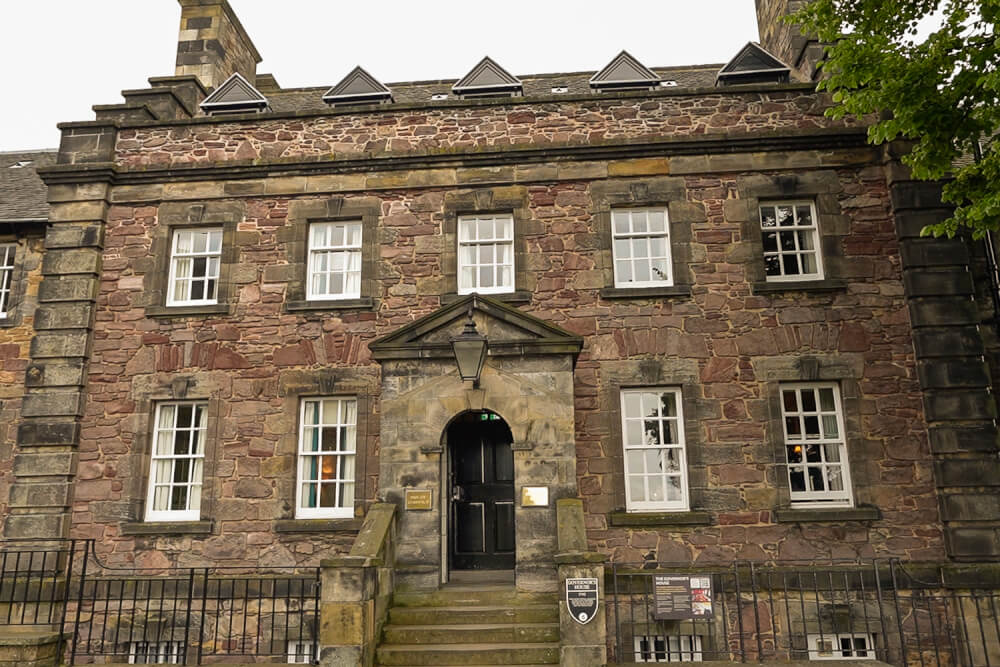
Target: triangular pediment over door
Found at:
509, 331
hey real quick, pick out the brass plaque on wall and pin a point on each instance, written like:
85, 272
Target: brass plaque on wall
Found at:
418, 499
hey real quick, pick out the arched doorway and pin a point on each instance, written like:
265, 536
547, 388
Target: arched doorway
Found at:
481, 492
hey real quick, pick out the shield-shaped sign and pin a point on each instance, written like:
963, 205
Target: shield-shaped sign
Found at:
581, 599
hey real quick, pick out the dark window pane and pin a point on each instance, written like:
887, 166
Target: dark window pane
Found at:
797, 479
792, 426
787, 240
808, 401
791, 265
791, 402
770, 241
772, 266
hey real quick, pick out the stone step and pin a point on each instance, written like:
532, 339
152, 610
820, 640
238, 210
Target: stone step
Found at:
478, 596
468, 654
474, 615
515, 633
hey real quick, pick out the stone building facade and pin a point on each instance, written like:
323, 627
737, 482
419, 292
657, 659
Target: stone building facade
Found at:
735, 329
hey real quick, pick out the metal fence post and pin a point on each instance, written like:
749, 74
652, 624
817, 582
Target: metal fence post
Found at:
79, 601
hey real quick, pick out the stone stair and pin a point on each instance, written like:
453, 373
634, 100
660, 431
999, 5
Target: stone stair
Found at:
471, 625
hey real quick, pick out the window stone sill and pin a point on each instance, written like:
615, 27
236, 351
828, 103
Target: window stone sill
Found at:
316, 525
8, 322
520, 296
691, 518
822, 514
167, 528
187, 311
364, 303
644, 292
825, 285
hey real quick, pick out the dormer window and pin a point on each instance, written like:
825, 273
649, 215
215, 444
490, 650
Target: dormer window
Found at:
753, 65
358, 87
488, 79
624, 72
235, 95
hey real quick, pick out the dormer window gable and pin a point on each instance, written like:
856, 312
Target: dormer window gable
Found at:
488, 79
234, 95
358, 87
624, 72
753, 64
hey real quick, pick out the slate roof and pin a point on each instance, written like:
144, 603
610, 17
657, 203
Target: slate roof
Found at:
535, 85
22, 193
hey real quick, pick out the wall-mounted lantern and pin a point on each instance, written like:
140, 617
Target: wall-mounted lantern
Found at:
470, 351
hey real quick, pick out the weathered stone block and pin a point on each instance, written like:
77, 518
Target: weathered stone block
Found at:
937, 283
36, 464
950, 342
959, 404
35, 525
27, 494
971, 507
946, 439
66, 344
932, 252
64, 315
47, 434
76, 235
52, 404
967, 472
73, 288
950, 374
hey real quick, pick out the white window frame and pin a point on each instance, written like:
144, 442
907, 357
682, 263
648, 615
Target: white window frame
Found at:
172, 651
196, 471
208, 254
350, 430
349, 252
825, 498
819, 652
668, 279
813, 229
8, 252
466, 240
681, 505
667, 648
300, 651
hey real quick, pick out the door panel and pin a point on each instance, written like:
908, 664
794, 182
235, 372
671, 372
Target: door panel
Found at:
482, 493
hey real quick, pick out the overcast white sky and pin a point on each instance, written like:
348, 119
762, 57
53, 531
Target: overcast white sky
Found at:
62, 56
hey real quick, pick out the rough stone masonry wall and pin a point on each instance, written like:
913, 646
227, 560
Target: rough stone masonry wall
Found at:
731, 336
470, 128
14, 355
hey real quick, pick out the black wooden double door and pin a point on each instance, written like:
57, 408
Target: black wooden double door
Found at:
482, 497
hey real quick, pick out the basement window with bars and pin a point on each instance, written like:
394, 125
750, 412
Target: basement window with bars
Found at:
7, 252
659, 648
177, 462
155, 653
195, 258
841, 646
815, 444
653, 443
300, 651
641, 247
327, 437
334, 260
486, 254
790, 238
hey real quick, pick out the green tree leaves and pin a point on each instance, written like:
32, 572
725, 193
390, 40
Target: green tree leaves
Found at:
925, 71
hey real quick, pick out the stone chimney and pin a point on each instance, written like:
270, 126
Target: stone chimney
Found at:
213, 44
786, 42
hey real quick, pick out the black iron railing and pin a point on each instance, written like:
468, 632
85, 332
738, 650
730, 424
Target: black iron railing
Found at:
749, 613
178, 616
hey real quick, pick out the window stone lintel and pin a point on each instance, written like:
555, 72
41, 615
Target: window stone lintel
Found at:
777, 286
645, 292
363, 303
685, 518
826, 514
517, 296
203, 527
317, 525
187, 311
